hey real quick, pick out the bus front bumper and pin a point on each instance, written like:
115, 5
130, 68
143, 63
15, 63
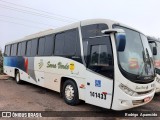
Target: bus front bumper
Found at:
128, 102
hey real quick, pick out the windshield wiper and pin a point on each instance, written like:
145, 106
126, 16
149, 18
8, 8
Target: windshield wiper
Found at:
147, 60
151, 62
144, 62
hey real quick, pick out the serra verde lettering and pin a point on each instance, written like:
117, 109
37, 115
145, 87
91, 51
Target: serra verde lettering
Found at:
59, 65
49, 65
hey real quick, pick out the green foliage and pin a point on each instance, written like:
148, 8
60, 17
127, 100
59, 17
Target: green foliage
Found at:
1, 62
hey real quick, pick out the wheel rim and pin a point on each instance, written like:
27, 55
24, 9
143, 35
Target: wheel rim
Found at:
69, 92
17, 77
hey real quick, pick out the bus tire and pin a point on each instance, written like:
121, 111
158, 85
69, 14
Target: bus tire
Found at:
70, 93
18, 80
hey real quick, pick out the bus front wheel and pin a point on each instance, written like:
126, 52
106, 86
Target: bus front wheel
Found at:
70, 93
18, 80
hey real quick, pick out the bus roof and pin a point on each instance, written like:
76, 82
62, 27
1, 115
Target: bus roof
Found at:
71, 26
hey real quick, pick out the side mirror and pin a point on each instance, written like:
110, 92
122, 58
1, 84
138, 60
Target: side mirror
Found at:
154, 51
153, 46
121, 41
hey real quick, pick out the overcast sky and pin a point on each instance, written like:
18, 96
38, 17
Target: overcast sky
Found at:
19, 18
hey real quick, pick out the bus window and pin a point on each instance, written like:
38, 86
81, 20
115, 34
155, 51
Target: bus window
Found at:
59, 44
14, 50
9, 50
93, 30
23, 49
64, 41
49, 43
6, 51
100, 58
28, 52
34, 47
19, 49
70, 40
41, 46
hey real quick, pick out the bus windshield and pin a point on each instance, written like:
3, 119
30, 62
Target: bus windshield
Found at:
137, 57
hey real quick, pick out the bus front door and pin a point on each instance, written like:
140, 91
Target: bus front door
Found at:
100, 71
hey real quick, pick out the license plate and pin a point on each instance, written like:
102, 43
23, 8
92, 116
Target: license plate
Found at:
147, 99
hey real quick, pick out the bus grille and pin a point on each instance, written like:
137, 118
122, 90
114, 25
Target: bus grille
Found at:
146, 92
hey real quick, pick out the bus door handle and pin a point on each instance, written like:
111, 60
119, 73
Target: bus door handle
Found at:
88, 83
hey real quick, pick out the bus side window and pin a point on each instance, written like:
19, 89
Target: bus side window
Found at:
100, 56
9, 50
65, 43
19, 49
59, 44
41, 46
23, 48
14, 50
34, 47
101, 60
93, 30
6, 51
49, 43
28, 52
70, 43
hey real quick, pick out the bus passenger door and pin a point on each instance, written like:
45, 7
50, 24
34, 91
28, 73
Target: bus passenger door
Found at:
100, 71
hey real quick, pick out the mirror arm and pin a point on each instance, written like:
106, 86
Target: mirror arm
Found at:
108, 31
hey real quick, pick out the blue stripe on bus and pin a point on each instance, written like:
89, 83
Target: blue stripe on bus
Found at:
18, 62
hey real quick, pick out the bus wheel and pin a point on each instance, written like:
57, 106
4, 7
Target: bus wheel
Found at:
70, 93
18, 80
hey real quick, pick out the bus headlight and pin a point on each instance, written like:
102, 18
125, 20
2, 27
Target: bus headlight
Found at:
127, 90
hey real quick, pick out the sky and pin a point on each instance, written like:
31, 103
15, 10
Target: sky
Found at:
19, 18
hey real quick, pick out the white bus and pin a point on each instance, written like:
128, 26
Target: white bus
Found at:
99, 61
155, 47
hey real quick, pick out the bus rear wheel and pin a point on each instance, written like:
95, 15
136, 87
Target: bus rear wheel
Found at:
70, 93
18, 80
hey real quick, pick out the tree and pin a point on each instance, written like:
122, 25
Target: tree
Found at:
1, 61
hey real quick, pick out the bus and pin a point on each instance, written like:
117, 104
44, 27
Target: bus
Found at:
155, 47
99, 61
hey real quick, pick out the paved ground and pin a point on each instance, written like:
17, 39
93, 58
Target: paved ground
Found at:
28, 97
